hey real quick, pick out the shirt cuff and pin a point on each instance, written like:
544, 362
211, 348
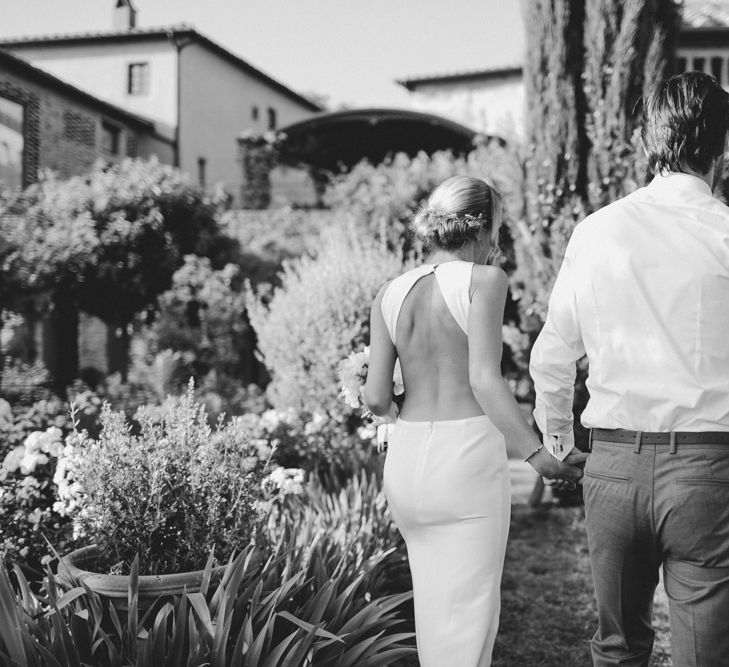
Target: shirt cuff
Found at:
559, 445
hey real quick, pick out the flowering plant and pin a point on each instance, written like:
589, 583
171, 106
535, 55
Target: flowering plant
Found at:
312, 441
27, 494
170, 493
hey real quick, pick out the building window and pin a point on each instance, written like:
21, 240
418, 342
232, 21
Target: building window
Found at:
717, 67
699, 64
11, 144
79, 128
254, 112
201, 164
681, 65
138, 79
132, 147
110, 135
271, 118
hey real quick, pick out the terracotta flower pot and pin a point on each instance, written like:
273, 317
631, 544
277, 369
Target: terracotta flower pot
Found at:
73, 572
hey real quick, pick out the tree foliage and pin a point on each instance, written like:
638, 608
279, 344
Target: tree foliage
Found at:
589, 63
107, 242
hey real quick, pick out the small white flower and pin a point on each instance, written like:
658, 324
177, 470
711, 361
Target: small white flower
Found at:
31, 460
13, 459
285, 480
36, 516
315, 424
271, 419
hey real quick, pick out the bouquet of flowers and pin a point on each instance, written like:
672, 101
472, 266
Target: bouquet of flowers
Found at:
352, 373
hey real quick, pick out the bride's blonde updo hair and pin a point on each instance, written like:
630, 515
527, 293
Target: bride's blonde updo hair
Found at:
457, 212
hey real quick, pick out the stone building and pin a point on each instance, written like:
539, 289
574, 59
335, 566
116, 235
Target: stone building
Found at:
46, 123
199, 95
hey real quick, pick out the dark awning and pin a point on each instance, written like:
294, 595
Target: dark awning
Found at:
339, 139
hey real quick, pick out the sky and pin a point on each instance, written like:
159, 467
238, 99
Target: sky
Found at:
348, 51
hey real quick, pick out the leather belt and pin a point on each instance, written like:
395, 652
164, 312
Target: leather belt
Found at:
661, 437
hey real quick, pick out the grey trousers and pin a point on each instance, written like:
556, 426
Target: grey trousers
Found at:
645, 507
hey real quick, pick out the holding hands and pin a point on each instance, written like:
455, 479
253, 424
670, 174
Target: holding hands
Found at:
559, 474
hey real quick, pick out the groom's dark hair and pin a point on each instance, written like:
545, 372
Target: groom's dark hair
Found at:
685, 123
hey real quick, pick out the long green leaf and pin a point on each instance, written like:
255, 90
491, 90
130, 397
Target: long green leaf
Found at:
10, 625
318, 631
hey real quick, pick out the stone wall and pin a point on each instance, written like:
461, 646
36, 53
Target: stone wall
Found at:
61, 133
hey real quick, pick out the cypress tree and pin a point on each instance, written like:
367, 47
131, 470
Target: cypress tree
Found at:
556, 166
628, 47
588, 63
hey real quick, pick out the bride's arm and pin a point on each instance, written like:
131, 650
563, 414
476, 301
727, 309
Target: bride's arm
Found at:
489, 387
377, 392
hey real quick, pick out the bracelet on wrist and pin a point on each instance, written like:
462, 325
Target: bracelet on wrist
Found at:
537, 450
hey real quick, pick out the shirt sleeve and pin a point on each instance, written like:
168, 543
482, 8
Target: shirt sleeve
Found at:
553, 363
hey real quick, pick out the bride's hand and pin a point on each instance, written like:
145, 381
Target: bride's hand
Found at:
552, 469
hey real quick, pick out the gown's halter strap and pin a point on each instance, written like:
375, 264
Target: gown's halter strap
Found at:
454, 281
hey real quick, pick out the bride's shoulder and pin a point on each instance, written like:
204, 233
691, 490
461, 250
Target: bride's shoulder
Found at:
383, 289
488, 277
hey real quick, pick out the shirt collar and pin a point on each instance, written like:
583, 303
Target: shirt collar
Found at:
672, 181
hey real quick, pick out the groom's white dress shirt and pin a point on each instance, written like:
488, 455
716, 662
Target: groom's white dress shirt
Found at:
644, 292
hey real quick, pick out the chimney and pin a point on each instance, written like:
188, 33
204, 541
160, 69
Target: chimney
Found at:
124, 15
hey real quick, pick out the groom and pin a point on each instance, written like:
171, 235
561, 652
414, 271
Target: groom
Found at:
644, 292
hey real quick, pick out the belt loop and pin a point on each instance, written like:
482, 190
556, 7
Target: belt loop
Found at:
638, 434
672, 441
589, 442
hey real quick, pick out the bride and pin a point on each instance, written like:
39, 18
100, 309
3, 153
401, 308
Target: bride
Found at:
446, 473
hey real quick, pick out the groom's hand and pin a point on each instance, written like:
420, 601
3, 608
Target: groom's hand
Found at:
551, 469
576, 458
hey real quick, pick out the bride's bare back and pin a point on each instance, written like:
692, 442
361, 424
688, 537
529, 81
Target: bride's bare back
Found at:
433, 353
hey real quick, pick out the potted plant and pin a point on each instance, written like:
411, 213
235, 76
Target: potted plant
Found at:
170, 493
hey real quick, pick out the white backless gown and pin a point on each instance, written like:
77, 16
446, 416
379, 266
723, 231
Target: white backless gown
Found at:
447, 486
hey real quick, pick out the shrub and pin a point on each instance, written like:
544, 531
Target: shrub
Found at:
318, 316
108, 242
21, 381
270, 237
168, 494
320, 599
383, 198
202, 317
323, 446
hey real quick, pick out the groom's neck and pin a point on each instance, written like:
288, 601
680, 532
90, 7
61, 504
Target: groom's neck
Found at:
709, 177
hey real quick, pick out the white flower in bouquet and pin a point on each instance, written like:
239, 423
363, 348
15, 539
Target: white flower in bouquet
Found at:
352, 373
367, 431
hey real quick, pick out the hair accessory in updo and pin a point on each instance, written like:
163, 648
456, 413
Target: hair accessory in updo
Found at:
446, 229
457, 212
